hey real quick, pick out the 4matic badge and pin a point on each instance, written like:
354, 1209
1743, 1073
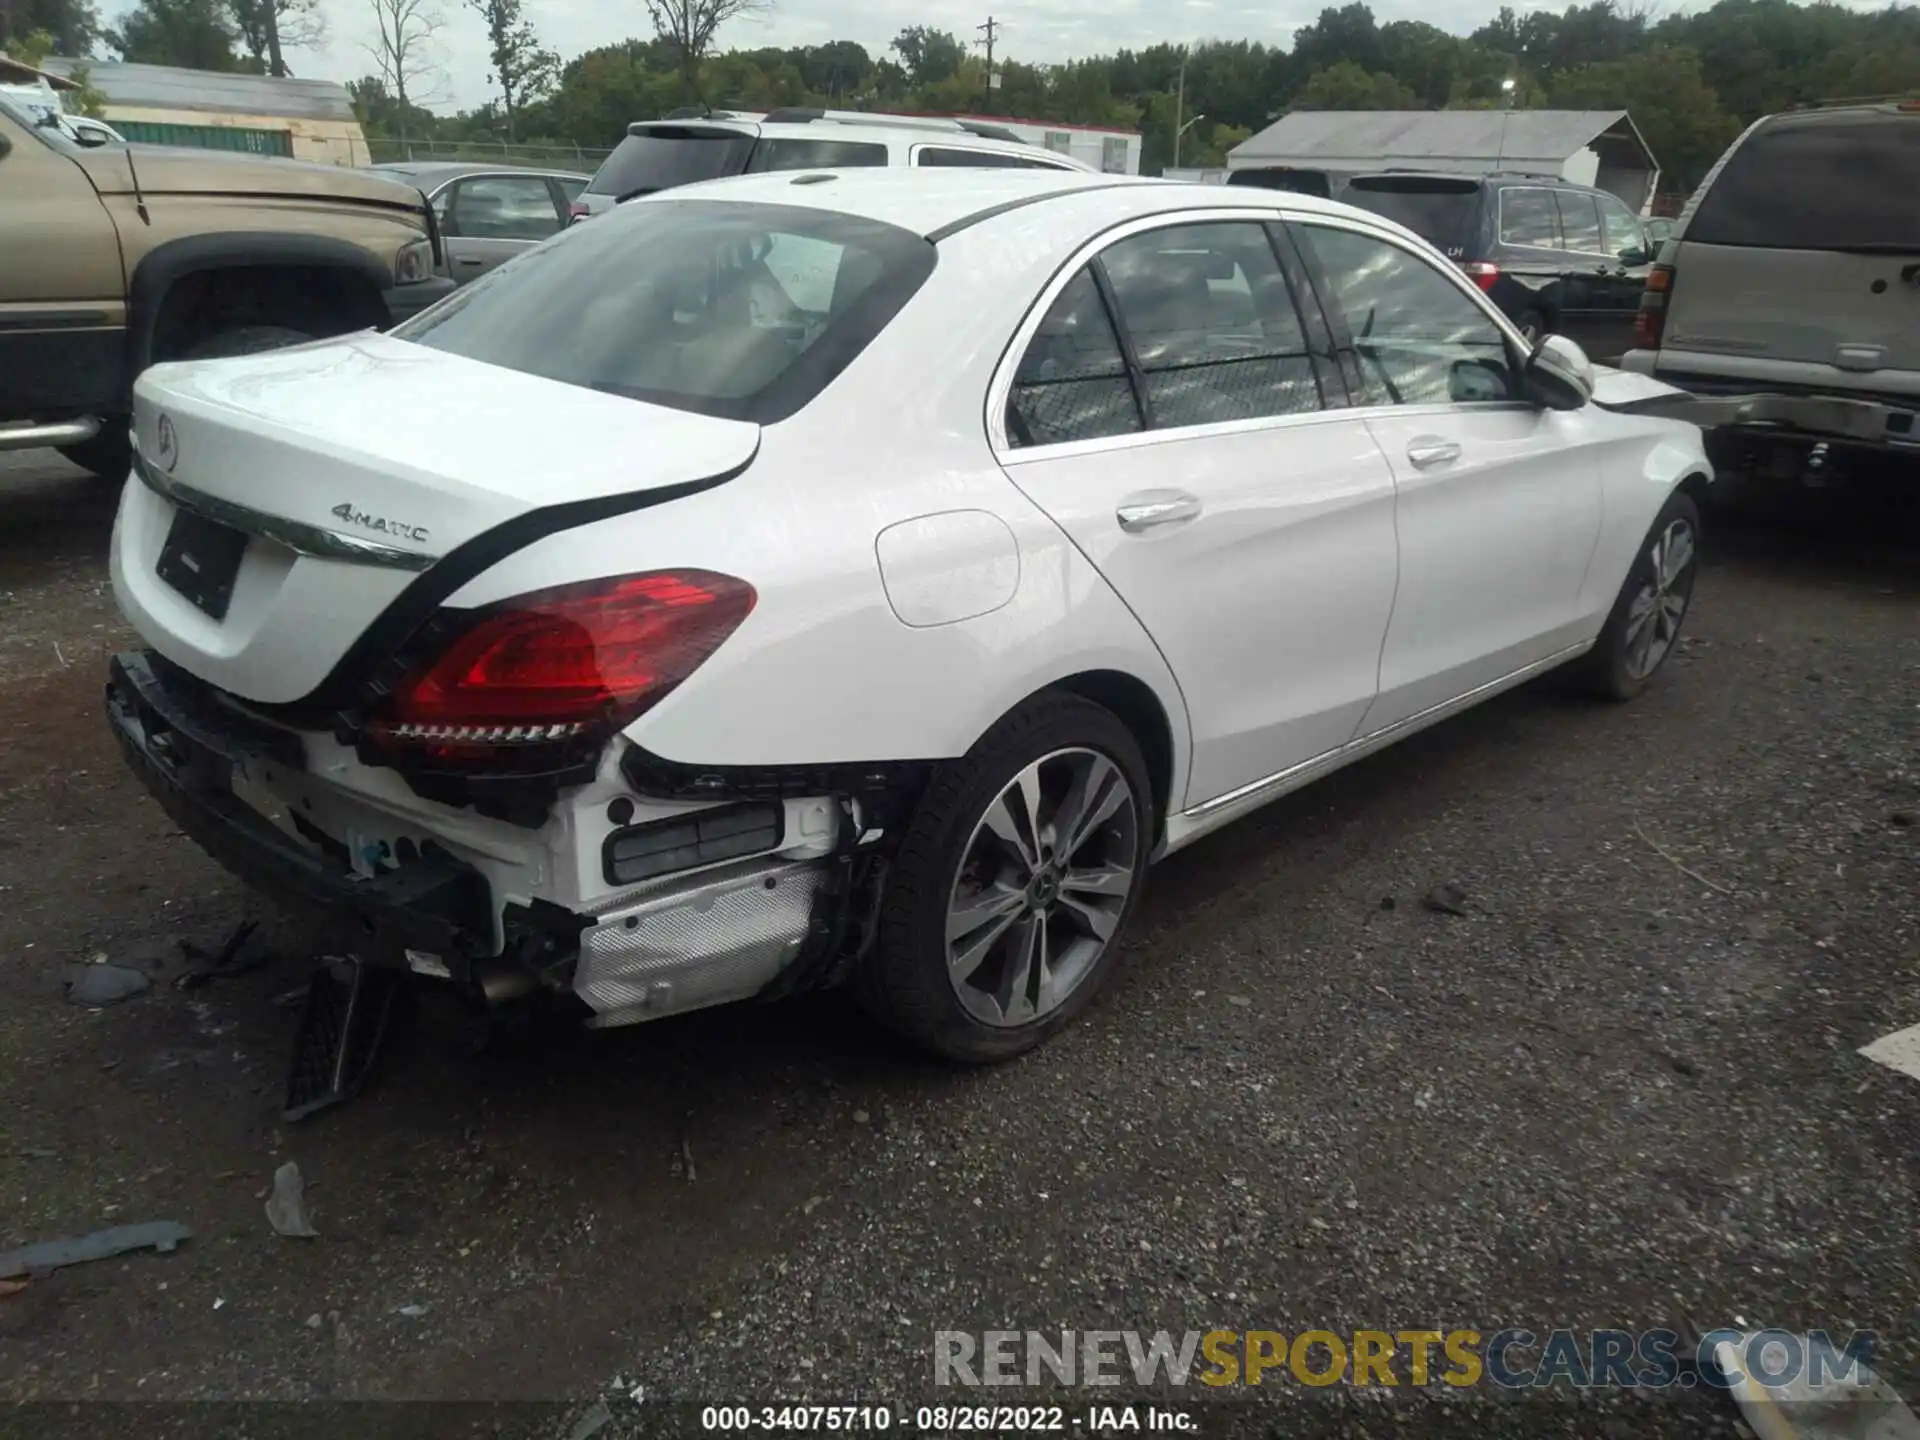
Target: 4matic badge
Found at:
379, 524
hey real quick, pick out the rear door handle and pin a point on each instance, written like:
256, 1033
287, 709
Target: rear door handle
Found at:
1426, 451
1156, 507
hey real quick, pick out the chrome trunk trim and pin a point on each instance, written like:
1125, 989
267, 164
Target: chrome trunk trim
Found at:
296, 535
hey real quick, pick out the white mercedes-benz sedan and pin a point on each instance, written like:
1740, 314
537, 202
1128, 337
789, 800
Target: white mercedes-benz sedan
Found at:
861, 577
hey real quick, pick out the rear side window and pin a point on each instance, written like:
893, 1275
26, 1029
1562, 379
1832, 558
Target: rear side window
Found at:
1072, 383
669, 155
1442, 211
741, 311
810, 154
1829, 183
1529, 217
940, 155
1212, 325
1579, 222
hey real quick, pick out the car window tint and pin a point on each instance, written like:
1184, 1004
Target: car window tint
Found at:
504, 207
1072, 382
1818, 182
1623, 233
1419, 339
571, 186
938, 155
663, 156
744, 311
1212, 325
1579, 222
797, 154
1529, 217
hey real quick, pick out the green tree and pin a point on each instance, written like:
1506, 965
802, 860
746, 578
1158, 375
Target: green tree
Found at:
523, 69
929, 56
687, 28
195, 34
1347, 86
1667, 96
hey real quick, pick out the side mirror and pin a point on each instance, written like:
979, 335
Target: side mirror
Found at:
1475, 381
1558, 375
1634, 256
86, 135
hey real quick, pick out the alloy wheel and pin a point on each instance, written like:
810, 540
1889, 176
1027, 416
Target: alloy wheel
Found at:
1657, 608
1042, 886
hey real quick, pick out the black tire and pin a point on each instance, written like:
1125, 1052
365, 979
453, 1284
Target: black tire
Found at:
1611, 670
246, 340
904, 983
107, 456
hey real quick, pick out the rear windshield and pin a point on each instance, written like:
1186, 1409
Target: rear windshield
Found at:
1441, 211
735, 310
1840, 183
665, 156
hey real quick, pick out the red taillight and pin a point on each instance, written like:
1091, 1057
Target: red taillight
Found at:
1650, 320
1481, 273
557, 665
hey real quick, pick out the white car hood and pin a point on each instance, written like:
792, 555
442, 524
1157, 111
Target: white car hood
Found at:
375, 440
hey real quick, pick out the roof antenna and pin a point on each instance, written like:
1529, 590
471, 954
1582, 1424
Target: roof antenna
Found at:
139, 200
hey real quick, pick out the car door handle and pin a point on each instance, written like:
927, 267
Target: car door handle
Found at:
1156, 507
1430, 450
463, 260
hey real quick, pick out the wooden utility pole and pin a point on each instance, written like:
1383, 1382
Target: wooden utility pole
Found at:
990, 30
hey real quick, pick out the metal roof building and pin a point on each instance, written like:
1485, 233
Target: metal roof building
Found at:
165, 87
221, 110
1591, 147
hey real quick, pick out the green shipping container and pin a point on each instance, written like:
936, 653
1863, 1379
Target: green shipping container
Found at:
208, 137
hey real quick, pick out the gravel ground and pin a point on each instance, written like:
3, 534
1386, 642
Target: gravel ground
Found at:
1620, 1090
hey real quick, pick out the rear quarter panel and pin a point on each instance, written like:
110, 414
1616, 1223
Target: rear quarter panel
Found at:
1642, 462
824, 669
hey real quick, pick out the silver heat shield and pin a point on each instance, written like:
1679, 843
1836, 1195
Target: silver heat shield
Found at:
686, 942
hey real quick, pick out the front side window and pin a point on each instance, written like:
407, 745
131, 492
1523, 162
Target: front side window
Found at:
743, 311
503, 207
1624, 238
1529, 217
1072, 383
810, 154
1579, 222
1419, 339
1212, 325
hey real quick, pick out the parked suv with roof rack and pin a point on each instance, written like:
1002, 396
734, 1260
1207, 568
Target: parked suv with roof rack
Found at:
690, 146
1558, 258
1795, 271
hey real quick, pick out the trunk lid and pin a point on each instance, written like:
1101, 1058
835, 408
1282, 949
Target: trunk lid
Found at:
1801, 260
363, 444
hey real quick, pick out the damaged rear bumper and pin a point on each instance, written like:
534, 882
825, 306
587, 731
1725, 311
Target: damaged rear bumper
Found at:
762, 925
188, 754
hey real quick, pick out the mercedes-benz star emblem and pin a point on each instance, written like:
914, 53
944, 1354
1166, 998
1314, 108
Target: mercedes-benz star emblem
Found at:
166, 445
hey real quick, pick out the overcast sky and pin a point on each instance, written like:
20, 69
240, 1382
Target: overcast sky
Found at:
1038, 31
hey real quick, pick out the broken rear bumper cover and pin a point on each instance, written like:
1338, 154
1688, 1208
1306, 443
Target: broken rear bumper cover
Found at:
770, 923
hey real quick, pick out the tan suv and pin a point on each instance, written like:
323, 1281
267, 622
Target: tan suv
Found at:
1787, 300
113, 257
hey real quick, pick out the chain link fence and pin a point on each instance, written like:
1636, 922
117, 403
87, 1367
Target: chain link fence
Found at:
487, 152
